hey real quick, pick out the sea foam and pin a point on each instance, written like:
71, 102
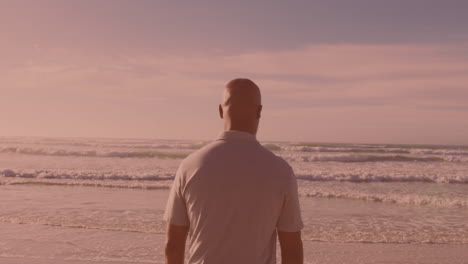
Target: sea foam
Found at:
94, 153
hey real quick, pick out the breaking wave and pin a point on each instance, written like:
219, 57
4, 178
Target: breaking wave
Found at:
364, 158
368, 177
164, 175
106, 143
418, 151
181, 155
94, 153
84, 175
406, 199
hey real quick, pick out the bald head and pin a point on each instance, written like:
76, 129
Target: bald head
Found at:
242, 92
241, 106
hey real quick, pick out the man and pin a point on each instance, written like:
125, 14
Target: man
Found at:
233, 196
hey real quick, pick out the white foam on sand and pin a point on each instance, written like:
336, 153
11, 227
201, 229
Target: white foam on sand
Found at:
79, 246
72, 200
123, 226
136, 210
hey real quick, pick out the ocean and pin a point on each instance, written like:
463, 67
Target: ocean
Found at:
349, 193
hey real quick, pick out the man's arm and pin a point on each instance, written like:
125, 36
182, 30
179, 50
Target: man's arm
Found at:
291, 247
175, 244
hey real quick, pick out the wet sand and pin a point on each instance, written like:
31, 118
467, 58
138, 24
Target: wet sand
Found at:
33, 244
39, 239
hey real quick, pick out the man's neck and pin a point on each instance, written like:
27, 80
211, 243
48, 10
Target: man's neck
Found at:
250, 130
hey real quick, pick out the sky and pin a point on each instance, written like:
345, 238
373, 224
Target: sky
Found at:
360, 71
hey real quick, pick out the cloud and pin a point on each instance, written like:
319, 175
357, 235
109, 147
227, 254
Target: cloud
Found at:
398, 81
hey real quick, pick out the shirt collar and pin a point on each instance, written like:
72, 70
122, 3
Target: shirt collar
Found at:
236, 135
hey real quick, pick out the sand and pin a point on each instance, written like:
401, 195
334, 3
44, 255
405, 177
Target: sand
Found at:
36, 240
34, 244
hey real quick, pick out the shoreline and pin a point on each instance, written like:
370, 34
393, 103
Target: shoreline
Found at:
36, 227
77, 246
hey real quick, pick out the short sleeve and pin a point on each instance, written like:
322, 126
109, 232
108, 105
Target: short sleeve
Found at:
176, 209
290, 219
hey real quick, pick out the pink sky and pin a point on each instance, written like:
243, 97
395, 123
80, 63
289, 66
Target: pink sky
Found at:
114, 70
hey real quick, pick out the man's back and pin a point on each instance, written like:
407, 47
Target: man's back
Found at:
234, 194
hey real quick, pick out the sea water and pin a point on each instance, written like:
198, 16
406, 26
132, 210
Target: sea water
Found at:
350, 193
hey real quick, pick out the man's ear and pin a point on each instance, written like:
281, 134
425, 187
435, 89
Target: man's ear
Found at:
220, 108
259, 111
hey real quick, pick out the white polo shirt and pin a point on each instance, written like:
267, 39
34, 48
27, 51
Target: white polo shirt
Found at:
234, 194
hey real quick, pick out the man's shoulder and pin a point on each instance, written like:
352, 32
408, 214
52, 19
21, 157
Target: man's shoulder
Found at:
217, 149
199, 154
277, 160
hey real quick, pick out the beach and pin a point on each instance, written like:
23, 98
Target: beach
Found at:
55, 224
102, 101
102, 200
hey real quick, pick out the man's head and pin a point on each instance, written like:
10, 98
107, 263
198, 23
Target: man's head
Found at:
241, 106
